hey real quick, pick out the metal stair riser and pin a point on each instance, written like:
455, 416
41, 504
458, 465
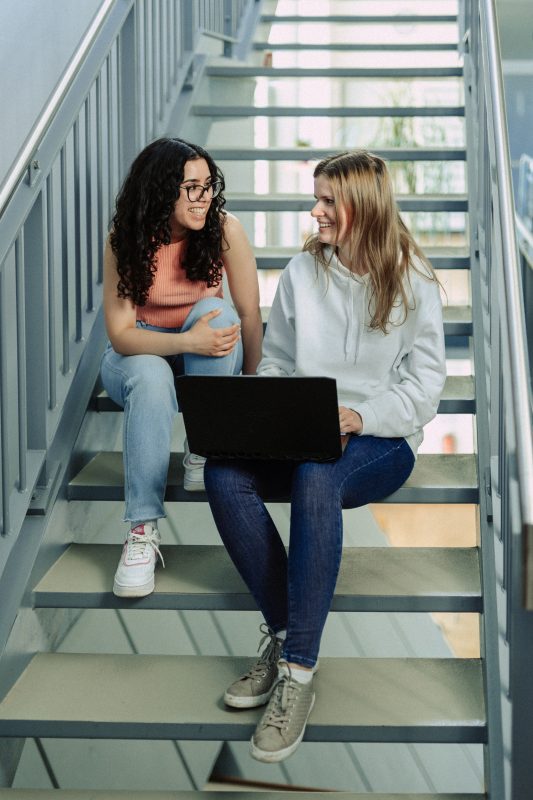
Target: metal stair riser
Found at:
334, 72
339, 47
360, 19
318, 153
278, 259
423, 204
106, 794
318, 111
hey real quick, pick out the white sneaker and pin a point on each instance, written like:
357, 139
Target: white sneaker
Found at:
135, 572
193, 479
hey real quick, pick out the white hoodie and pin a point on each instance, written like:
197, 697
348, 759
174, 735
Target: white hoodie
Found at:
319, 325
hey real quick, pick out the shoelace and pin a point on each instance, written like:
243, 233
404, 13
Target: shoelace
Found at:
267, 657
281, 703
137, 544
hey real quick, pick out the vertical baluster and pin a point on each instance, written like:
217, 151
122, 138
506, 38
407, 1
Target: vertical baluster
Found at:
50, 270
147, 76
89, 202
117, 105
162, 57
21, 361
99, 176
4, 423
139, 55
111, 133
170, 53
77, 231
64, 260
154, 66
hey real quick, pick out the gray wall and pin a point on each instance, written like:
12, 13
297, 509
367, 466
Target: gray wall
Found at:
37, 41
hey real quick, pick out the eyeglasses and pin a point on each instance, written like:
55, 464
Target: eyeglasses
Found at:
196, 192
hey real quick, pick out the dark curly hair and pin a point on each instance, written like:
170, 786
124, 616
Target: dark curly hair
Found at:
141, 220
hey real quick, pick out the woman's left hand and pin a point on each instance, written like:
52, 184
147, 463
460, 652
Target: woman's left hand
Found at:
350, 421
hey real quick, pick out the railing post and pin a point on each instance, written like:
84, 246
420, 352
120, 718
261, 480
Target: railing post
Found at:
128, 93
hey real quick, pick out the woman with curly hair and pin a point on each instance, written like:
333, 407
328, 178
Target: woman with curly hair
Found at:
170, 245
360, 304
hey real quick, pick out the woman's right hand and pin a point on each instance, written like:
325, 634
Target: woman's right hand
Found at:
207, 341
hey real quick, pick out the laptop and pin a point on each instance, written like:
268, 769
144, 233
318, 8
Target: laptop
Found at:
247, 416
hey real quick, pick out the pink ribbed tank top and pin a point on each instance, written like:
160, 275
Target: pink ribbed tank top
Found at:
172, 294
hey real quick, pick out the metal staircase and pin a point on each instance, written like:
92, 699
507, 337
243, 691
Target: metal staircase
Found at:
412, 700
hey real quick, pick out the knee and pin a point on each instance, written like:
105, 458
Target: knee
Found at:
227, 316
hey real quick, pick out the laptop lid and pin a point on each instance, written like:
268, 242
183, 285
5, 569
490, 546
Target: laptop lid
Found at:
247, 416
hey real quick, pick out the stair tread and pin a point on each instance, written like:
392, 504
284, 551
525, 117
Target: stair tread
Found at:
330, 111
457, 397
391, 699
436, 478
203, 576
315, 153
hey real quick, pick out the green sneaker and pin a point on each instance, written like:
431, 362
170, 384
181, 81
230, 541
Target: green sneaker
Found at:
282, 726
255, 686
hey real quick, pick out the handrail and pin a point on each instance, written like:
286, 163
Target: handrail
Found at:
520, 384
526, 235
26, 153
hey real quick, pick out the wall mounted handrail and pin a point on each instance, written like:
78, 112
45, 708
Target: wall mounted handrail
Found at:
520, 383
23, 160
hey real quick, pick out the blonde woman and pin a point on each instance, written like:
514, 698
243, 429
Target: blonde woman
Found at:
360, 304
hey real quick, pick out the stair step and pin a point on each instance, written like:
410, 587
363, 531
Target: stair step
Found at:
203, 577
366, 699
358, 47
292, 202
441, 258
359, 18
110, 794
436, 478
457, 397
250, 71
317, 153
323, 111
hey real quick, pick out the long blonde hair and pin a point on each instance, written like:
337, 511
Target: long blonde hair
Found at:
378, 239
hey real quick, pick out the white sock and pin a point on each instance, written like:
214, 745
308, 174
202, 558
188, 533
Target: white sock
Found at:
299, 675
281, 635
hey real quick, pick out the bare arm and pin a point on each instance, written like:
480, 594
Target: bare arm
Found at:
241, 271
128, 340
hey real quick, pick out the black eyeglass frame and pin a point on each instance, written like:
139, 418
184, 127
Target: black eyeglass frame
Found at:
215, 187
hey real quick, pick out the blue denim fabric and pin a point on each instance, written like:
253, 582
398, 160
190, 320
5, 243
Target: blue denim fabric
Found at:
295, 591
144, 386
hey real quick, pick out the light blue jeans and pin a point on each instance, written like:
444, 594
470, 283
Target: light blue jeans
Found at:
144, 386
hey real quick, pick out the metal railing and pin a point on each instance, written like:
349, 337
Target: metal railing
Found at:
504, 413
117, 94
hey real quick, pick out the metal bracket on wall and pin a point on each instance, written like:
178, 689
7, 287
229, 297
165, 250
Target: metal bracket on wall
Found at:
34, 170
488, 493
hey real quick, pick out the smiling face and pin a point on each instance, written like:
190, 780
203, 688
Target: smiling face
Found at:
190, 215
327, 214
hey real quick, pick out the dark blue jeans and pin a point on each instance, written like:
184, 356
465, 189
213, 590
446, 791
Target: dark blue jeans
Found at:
294, 591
